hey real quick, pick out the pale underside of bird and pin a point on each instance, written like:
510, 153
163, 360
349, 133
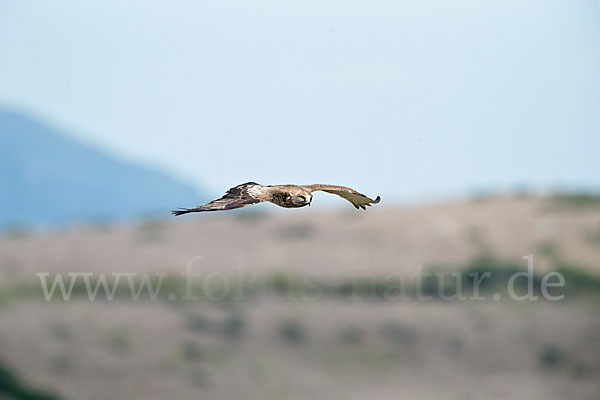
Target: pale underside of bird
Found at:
288, 196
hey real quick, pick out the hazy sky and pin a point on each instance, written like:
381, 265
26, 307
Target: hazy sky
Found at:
407, 99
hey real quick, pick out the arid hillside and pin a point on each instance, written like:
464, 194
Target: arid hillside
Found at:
300, 330
384, 239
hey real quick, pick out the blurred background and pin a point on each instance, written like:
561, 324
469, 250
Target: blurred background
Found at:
478, 123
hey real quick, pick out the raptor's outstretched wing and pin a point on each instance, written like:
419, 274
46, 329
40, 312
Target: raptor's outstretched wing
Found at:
242, 195
358, 200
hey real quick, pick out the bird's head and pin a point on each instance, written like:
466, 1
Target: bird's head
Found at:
301, 198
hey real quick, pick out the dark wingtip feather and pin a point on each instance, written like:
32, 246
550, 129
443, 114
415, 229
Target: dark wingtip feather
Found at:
180, 211
377, 200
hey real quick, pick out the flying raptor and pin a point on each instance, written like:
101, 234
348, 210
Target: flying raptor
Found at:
288, 196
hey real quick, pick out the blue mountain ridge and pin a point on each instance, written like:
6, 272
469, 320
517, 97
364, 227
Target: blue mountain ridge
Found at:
47, 178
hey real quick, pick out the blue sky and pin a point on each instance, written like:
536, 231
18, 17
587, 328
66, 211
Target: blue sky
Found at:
407, 99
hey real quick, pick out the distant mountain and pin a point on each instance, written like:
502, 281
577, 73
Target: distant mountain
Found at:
47, 178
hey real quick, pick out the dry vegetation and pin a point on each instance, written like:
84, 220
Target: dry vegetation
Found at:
283, 341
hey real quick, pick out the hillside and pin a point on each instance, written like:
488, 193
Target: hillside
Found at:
295, 331
279, 340
47, 178
385, 239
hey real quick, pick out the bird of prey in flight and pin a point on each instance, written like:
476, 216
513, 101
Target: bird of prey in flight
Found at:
288, 196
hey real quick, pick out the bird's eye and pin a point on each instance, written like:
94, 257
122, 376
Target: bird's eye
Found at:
302, 198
